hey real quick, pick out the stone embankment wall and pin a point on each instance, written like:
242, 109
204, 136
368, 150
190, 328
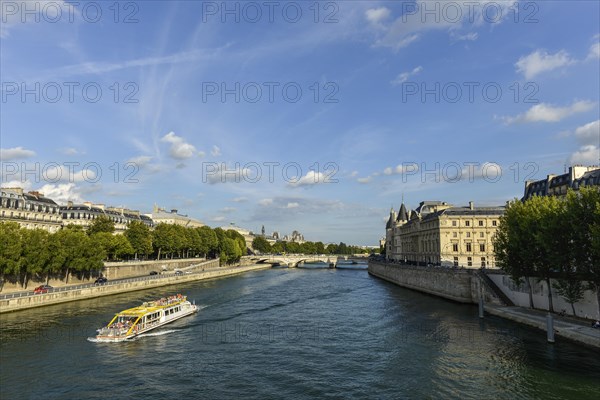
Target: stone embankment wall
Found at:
450, 284
211, 270
111, 270
460, 285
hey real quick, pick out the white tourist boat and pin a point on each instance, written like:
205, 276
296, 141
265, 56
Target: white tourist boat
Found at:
150, 315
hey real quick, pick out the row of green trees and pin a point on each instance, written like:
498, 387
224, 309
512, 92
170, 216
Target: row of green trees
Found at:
261, 245
34, 252
547, 237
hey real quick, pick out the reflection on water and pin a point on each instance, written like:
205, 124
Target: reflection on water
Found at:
297, 333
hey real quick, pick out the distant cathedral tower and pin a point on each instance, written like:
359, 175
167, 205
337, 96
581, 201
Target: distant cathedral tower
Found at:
263, 230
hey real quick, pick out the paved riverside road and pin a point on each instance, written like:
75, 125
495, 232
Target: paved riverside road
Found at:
568, 327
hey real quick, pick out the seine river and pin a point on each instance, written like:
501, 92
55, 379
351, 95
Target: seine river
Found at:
294, 334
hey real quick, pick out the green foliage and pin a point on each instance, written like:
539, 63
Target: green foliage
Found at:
139, 237
101, 224
209, 243
10, 248
546, 237
261, 245
571, 290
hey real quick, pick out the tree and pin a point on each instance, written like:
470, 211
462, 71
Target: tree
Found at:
121, 247
34, 254
319, 248
105, 241
101, 224
513, 244
230, 251
10, 248
261, 245
209, 241
239, 238
140, 238
162, 239
583, 209
571, 290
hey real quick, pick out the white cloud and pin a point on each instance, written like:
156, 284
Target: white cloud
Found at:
62, 193
140, 161
401, 169
353, 174
179, 150
71, 151
228, 210
376, 15
587, 155
311, 178
265, 202
403, 77
589, 134
540, 61
594, 51
548, 113
219, 218
368, 179
240, 199
216, 151
292, 205
15, 153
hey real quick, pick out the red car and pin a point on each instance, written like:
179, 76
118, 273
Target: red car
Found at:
42, 289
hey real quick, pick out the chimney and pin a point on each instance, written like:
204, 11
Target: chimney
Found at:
471, 206
174, 211
69, 204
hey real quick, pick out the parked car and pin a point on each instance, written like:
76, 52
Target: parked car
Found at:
178, 272
153, 273
42, 289
101, 280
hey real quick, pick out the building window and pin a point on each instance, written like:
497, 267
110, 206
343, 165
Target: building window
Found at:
481, 234
455, 248
467, 223
454, 234
469, 247
482, 247
468, 234
469, 261
480, 223
456, 261
453, 223
494, 223
483, 261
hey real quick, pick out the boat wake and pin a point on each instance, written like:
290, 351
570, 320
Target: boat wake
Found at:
155, 334
161, 333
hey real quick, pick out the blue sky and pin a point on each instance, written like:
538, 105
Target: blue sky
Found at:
280, 115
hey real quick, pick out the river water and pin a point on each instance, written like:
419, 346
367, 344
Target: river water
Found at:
295, 334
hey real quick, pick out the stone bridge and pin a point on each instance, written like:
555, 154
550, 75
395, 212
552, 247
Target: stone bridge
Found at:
293, 261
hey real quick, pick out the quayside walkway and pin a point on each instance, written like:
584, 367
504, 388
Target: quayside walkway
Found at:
564, 327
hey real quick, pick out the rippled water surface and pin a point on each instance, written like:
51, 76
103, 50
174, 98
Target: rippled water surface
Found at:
290, 333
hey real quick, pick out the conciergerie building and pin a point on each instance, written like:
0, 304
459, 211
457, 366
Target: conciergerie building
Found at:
438, 233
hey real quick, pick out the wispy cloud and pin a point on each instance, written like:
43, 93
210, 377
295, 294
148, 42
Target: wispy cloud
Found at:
549, 113
403, 77
541, 61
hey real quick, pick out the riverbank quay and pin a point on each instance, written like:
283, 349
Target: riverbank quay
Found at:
202, 271
465, 286
564, 327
